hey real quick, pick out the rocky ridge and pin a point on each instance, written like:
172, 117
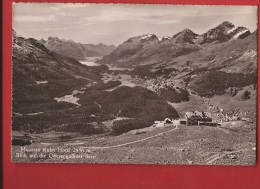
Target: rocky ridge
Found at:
75, 50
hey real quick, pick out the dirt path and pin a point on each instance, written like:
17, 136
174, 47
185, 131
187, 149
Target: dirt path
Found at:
218, 156
133, 142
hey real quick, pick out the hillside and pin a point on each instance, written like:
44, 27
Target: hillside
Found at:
137, 102
75, 50
212, 83
39, 75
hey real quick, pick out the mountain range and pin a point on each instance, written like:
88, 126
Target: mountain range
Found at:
150, 49
75, 50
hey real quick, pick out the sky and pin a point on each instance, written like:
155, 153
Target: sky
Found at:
115, 23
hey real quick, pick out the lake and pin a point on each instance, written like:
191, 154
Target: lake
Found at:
70, 98
88, 63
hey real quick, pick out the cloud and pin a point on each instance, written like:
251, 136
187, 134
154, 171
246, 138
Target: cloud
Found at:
31, 18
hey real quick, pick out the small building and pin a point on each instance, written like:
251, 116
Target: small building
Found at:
162, 123
196, 117
183, 121
213, 124
159, 123
245, 119
167, 120
234, 118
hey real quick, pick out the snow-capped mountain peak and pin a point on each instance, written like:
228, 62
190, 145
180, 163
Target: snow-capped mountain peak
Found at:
145, 36
226, 25
185, 36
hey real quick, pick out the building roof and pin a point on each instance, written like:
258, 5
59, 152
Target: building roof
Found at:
197, 113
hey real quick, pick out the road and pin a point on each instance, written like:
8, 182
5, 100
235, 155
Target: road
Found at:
133, 142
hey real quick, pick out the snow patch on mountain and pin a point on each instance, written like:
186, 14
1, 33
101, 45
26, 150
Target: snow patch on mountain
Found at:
231, 30
240, 33
163, 38
145, 36
148, 36
166, 37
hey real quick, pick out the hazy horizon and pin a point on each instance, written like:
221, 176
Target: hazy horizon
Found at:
115, 23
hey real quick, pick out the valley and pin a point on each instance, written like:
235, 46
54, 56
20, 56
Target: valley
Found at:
106, 108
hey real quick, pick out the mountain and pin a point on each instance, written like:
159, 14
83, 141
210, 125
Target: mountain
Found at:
32, 61
75, 50
223, 33
185, 36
